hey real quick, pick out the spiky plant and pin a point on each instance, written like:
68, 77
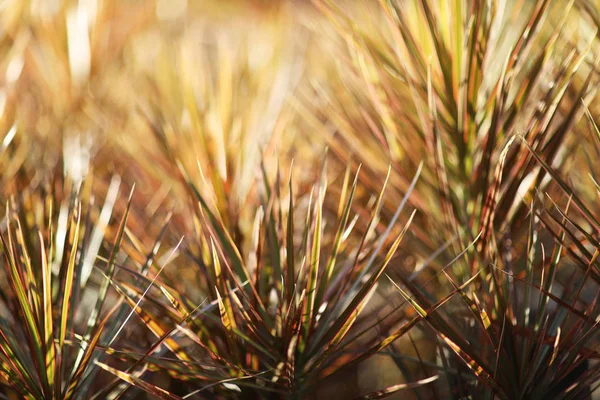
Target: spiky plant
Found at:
448, 80
50, 333
448, 83
278, 319
527, 323
217, 279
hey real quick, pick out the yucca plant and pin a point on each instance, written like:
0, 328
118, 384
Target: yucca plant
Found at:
417, 84
49, 332
530, 328
275, 321
454, 130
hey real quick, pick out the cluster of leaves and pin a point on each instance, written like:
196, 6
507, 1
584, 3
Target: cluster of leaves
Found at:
49, 246
269, 322
220, 278
496, 116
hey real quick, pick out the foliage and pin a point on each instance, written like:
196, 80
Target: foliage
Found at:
451, 82
280, 160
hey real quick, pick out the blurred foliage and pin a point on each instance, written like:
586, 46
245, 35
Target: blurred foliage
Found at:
280, 158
